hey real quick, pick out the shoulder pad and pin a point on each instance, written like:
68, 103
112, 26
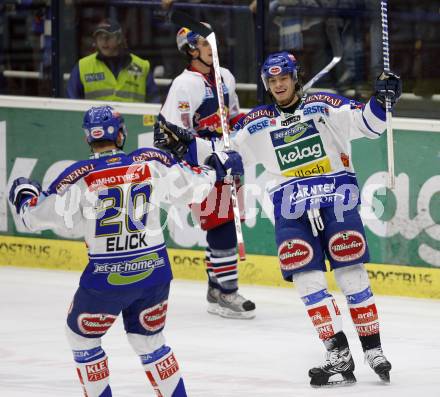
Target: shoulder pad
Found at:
333, 100
150, 154
256, 113
71, 175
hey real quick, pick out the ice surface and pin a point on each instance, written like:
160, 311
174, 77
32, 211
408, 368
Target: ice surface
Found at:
267, 356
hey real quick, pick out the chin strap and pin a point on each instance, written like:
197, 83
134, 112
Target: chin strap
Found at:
315, 220
197, 58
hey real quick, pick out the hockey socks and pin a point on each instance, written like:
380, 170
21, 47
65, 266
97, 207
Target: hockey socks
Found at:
93, 372
221, 266
163, 373
363, 312
354, 283
326, 318
324, 313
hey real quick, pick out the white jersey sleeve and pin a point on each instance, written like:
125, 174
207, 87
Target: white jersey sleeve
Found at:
52, 211
355, 121
182, 184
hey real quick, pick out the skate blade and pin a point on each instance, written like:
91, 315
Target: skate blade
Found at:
385, 377
228, 313
383, 371
213, 308
348, 380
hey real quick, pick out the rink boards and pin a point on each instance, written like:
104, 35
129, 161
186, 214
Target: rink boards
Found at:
187, 264
40, 137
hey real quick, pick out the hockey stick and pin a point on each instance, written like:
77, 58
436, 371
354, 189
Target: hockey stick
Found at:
389, 116
184, 20
335, 42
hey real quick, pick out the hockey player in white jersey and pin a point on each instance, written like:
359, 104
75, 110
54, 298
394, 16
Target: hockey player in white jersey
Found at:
304, 144
114, 198
192, 103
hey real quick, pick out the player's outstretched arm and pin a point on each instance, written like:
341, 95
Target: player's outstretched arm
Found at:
184, 184
182, 143
40, 210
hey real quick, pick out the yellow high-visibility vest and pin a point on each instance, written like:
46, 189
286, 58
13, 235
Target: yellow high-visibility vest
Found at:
100, 83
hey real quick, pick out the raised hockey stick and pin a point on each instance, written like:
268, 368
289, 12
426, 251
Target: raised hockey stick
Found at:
335, 42
389, 116
184, 20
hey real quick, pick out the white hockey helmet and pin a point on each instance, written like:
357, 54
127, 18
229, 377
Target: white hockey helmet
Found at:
187, 39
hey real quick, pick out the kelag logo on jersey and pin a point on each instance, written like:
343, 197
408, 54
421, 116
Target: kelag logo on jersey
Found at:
300, 151
124, 273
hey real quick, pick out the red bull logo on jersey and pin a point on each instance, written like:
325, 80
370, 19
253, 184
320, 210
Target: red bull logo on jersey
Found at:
183, 106
211, 123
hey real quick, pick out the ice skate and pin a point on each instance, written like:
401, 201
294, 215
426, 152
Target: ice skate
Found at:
378, 363
338, 363
235, 306
212, 297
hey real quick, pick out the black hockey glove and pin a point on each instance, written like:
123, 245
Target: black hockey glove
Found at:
388, 85
21, 190
226, 165
171, 138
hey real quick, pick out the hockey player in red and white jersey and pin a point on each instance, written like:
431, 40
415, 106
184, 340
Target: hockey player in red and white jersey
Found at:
114, 198
303, 141
192, 104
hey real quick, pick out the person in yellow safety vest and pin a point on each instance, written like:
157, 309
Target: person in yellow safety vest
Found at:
112, 73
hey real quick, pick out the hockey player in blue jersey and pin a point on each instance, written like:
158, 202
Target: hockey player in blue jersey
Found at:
303, 141
115, 199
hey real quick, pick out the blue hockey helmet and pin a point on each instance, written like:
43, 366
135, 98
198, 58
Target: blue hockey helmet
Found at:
278, 63
103, 123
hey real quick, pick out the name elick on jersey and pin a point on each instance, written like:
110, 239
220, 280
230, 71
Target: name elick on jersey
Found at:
124, 243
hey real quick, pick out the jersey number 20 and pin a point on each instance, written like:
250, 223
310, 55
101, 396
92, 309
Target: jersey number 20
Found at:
133, 205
